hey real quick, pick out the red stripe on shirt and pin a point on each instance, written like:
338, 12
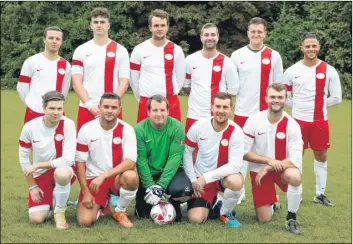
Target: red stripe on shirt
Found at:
251, 136
25, 144
190, 143
217, 69
289, 88
134, 66
265, 76
320, 91
224, 146
59, 139
117, 142
24, 79
110, 58
187, 76
281, 140
76, 62
60, 77
169, 67
81, 147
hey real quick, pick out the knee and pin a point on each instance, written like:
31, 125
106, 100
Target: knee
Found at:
195, 219
84, 221
37, 218
320, 156
293, 177
264, 219
63, 175
130, 180
233, 182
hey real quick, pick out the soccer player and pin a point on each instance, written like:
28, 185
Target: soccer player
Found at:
105, 161
43, 72
98, 66
51, 138
220, 144
273, 146
258, 66
207, 72
157, 67
160, 148
315, 85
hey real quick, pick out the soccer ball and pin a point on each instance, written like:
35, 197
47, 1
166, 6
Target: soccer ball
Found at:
163, 213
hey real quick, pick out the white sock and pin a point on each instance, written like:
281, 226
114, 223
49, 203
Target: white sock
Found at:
320, 170
244, 171
230, 199
61, 195
294, 195
125, 199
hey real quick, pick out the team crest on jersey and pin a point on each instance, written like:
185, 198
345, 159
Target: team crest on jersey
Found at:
61, 71
168, 56
320, 76
217, 68
111, 54
281, 135
59, 137
116, 140
224, 142
266, 61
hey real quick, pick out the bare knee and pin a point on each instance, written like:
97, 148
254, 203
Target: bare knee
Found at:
63, 175
233, 182
197, 215
38, 217
264, 213
292, 176
129, 180
85, 222
320, 156
195, 219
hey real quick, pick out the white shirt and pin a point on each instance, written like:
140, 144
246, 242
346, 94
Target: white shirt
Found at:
207, 76
101, 67
212, 161
257, 70
157, 70
40, 75
36, 137
98, 147
313, 90
266, 139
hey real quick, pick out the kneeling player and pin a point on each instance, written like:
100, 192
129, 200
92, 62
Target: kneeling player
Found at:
105, 160
220, 144
52, 140
274, 148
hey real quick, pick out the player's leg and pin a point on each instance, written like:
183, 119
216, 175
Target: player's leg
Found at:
142, 109
83, 116
174, 107
198, 209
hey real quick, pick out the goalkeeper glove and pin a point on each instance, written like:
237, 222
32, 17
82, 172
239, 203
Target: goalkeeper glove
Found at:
154, 194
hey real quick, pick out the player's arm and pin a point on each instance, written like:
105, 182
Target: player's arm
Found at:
334, 88
81, 157
180, 68
24, 80
277, 68
124, 72
135, 69
295, 147
191, 145
187, 81
175, 156
287, 81
231, 78
67, 80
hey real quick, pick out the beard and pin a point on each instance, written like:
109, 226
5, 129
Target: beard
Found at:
276, 111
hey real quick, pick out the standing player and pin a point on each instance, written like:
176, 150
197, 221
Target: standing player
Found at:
98, 66
160, 148
258, 67
274, 147
207, 72
315, 85
220, 144
105, 161
43, 72
51, 138
157, 67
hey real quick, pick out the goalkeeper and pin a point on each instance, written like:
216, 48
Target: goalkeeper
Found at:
160, 148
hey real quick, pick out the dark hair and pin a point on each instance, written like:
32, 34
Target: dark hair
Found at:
102, 12
208, 25
258, 21
222, 96
158, 13
157, 98
309, 35
277, 87
110, 95
52, 28
52, 96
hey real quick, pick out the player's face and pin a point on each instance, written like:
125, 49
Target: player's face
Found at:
221, 109
53, 41
310, 48
158, 113
109, 109
100, 26
209, 38
158, 28
276, 100
256, 34
53, 111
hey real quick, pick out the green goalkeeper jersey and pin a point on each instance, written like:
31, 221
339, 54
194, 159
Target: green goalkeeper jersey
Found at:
159, 152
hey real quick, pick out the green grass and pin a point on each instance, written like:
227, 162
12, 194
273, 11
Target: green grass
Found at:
318, 223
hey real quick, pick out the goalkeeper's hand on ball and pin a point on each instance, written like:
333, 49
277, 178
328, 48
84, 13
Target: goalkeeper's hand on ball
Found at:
154, 194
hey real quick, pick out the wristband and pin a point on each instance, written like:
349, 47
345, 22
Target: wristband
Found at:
33, 187
88, 105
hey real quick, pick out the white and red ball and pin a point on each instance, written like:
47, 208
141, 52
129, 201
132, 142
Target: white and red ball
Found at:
163, 213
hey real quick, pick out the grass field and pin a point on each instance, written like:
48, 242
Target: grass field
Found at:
318, 223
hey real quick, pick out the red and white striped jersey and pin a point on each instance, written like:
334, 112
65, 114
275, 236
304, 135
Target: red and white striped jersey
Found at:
310, 87
101, 67
207, 76
103, 150
257, 70
157, 70
40, 75
277, 141
219, 153
55, 144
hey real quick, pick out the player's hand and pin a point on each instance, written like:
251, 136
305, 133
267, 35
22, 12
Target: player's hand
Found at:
29, 170
88, 200
277, 165
198, 190
95, 111
260, 175
94, 186
154, 194
37, 195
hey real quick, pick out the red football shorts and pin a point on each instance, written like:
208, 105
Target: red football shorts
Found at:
240, 120
189, 122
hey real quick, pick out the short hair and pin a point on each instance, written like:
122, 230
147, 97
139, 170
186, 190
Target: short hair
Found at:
102, 12
258, 21
52, 28
223, 96
157, 98
208, 25
309, 35
52, 96
277, 87
158, 13
110, 95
